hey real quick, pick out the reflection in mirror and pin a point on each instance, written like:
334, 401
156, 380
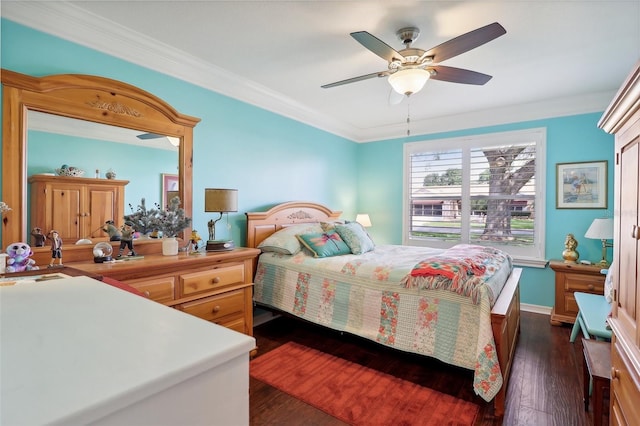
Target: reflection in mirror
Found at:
138, 157
89, 99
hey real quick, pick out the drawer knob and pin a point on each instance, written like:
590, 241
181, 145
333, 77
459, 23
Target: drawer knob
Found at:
216, 309
147, 294
215, 280
591, 287
615, 374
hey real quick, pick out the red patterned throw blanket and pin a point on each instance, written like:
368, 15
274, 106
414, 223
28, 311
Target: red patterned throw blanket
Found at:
463, 269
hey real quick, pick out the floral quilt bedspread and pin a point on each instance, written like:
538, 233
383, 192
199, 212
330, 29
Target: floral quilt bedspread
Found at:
365, 295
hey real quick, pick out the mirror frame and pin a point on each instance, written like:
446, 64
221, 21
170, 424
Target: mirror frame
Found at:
85, 97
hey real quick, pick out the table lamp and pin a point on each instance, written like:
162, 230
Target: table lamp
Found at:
219, 201
363, 219
601, 229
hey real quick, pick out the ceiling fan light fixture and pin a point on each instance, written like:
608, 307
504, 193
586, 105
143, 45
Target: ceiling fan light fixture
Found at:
173, 141
409, 81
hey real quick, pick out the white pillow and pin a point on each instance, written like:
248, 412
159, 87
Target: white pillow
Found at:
608, 283
285, 241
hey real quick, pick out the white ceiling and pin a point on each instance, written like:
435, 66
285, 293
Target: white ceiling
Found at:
557, 58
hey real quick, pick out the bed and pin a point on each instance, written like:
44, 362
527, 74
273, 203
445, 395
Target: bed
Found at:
381, 295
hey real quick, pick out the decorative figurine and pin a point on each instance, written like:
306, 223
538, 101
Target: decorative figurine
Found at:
38, 237
193, 241
18, 258
570, 254
126, 240
56, 247
114, 233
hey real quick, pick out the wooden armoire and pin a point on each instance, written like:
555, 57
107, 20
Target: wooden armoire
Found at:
622, 119
76, 207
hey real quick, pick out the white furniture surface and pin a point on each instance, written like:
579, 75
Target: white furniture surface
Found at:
78, 351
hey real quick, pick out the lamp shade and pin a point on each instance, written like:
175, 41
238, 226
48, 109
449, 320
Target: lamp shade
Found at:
363, 219
409, 81
600, 229
220, 200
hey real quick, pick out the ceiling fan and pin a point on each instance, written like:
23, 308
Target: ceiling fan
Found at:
410, 68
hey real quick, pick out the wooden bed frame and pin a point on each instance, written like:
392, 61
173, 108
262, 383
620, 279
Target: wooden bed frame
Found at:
505, 315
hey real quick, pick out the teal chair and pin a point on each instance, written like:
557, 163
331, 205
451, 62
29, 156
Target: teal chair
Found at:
593, 311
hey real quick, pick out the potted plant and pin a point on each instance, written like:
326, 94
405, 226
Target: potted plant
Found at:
171, 222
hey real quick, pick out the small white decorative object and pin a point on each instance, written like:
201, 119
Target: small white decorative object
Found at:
4, 207
102, 252
169, 246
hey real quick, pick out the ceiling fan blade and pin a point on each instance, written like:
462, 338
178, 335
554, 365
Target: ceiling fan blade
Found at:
465, 42
458, 75
377, 46
145, 136
354, 79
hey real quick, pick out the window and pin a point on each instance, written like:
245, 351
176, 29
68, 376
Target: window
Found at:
485, 189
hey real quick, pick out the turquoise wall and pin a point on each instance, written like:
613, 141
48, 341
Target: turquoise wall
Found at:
272, 159
139, 165
268, 158
569, 139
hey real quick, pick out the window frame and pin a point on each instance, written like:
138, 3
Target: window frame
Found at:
525, 256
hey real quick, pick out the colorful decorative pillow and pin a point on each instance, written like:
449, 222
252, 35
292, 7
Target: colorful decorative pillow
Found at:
324, 244
356, 237
285, 241
331, 226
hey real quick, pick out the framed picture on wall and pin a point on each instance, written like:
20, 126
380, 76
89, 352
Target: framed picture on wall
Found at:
169, 188
581, 185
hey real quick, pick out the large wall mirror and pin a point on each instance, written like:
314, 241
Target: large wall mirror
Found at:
98, 124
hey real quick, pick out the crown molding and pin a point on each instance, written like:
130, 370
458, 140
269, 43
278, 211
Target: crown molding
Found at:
74, 24
550, 108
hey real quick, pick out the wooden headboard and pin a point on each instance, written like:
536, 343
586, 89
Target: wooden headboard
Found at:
262, 224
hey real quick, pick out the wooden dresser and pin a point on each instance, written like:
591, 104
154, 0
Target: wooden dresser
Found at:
622, 118
216, 286
572, 277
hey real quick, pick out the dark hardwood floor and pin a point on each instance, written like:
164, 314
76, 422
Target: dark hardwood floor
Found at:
545, 386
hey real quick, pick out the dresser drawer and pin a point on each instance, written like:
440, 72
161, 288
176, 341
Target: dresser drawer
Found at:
217, 307
198, 282
584, 283
159, 289
625, 387
236, 324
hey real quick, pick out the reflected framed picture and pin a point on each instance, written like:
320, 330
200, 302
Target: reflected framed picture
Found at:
581, 185
169, 188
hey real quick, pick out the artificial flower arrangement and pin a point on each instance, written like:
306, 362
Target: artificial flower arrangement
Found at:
4, 207
142, 218
170, 221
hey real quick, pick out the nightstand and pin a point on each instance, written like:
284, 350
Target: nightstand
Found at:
572, 277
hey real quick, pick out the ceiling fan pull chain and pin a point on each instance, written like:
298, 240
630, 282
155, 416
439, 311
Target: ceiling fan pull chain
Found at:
408, 116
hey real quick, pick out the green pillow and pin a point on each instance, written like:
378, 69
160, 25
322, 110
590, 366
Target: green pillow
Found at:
325, 244
356, 237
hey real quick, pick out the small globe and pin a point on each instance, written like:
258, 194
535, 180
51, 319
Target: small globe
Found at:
102, 252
